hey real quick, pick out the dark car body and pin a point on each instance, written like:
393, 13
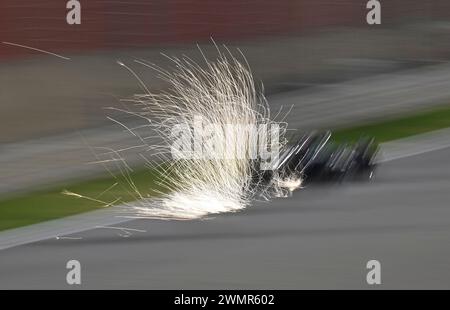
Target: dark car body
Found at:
315, 157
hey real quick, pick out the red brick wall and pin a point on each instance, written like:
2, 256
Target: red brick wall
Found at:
42, 24
138, 23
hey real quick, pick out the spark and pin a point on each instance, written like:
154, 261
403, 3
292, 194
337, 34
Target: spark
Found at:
221, 92
105, 204
124, 231
122, 228
108, 189
286, 186
36, 49
68, 238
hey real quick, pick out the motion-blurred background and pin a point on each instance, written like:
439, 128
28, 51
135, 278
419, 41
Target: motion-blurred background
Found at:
318, 59
319, 56
290, 44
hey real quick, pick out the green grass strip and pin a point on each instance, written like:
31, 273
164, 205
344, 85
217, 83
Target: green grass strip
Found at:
398, 128
51, 204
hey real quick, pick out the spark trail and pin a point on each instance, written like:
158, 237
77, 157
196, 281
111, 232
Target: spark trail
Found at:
36, 49
220, 92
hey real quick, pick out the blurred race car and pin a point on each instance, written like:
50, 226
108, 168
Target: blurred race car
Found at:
314, 157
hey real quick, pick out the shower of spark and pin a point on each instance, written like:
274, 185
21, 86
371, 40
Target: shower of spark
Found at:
220, 92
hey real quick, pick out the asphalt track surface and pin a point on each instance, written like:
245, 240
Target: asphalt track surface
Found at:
321, 238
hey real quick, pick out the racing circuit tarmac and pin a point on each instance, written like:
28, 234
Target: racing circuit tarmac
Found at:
321, 238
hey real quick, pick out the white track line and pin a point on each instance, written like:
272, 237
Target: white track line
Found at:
405, 155
61, 228
415, 145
